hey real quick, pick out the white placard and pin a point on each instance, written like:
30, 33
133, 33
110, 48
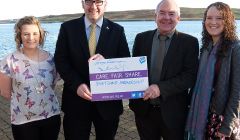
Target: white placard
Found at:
118, 78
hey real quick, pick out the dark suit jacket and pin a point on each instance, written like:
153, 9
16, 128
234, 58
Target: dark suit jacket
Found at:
71, 58
225, 100
179, 73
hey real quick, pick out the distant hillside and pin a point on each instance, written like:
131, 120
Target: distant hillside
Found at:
186, 14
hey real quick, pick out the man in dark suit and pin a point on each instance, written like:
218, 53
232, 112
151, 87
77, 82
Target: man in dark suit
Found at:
172, 65
72, 56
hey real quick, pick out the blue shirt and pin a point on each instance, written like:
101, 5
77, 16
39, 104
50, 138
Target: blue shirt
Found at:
88, 28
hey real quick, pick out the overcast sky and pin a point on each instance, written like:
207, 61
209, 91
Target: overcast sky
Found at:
10, 9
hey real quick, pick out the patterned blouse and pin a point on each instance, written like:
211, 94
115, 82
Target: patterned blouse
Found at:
33, 96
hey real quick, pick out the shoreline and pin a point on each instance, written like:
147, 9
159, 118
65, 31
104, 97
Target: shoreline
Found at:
115, 20
187, 14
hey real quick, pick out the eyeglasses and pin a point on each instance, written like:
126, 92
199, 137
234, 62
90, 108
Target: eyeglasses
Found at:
90, 2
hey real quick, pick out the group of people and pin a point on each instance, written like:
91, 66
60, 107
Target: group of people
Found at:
188, 98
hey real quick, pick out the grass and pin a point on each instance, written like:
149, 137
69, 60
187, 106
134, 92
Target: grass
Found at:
186, 14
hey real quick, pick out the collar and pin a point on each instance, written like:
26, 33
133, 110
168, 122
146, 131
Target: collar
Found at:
168, 35
88, 23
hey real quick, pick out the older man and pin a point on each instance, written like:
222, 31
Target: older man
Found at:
172, 63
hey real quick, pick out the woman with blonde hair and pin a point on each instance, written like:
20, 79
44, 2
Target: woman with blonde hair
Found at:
28, 77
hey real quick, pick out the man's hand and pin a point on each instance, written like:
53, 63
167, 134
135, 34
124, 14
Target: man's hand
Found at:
96, 57
84, 92
151, 92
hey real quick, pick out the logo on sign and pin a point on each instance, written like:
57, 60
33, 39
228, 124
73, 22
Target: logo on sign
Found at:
142, 59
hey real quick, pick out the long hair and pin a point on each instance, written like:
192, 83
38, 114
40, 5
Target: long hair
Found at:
229, 34
28, 20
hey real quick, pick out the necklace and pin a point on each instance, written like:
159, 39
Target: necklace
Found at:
39, 87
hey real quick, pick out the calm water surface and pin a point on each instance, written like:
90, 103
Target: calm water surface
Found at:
7, 43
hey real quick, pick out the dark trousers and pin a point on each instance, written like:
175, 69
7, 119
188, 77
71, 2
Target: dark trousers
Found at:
78, 126
153, 127
47, 129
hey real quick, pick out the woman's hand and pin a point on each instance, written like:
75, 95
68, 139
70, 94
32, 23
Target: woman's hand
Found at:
5, 86
221, 135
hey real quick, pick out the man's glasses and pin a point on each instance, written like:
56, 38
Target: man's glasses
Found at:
97, 2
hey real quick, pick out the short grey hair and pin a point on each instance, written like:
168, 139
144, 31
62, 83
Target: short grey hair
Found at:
159, 4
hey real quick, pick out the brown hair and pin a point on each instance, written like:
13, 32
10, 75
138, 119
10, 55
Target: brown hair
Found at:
229, 34
28, 20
